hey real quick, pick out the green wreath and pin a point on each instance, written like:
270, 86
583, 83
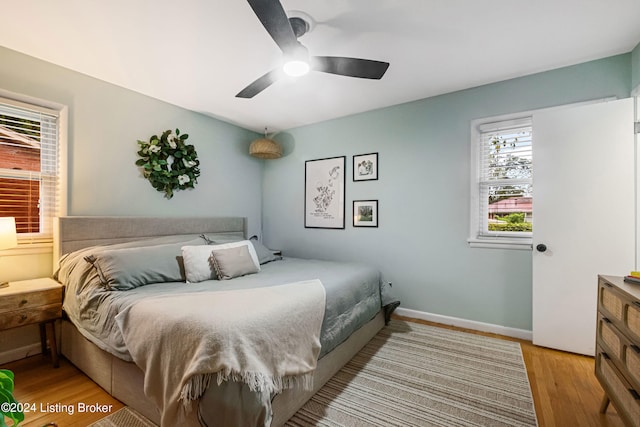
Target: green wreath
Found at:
168, 163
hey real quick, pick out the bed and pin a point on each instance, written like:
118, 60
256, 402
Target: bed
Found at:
109, 353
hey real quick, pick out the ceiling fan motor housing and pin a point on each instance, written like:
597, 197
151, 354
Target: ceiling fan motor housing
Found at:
300, 26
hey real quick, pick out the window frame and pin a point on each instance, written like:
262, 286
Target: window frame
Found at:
34, 244
477, 238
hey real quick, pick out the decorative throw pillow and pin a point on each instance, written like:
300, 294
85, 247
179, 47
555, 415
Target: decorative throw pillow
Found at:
233, 262
129, 268
197, 262
265, 254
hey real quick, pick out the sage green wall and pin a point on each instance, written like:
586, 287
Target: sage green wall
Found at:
423, 192
105, 121
635, 68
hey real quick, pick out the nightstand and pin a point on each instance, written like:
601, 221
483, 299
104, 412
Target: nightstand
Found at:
33, 301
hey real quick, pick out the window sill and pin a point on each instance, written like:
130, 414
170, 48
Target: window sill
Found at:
28, 249
501, 243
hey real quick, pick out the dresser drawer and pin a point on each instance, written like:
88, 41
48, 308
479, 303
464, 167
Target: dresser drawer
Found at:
622, 309
622, 352
611, 301
631, 361
30, 299
609, 336
632, 318
625, 398
28, 316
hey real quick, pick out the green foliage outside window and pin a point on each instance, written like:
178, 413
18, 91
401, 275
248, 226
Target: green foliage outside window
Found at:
512, 222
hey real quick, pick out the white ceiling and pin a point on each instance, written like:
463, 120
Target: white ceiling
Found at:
199, 53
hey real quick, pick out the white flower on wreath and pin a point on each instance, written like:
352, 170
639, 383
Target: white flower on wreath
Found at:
154, 148
183, 179
172, 139
188, 163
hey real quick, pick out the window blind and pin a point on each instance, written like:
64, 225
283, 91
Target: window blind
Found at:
505, 178
29, 168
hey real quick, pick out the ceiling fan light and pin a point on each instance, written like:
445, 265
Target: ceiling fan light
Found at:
296, 68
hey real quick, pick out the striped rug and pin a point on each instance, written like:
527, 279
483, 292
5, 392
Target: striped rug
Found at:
125, 417
418, 375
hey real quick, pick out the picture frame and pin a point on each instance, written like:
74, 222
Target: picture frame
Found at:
324, 192
365, 167
365, 213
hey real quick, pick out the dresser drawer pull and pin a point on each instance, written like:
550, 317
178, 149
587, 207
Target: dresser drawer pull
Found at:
635, 394
636, 303
23, 317
605, 320
635, 348
23, 302
606, 356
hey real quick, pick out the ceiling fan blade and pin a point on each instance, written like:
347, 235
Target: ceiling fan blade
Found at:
275, 21
260, 84
351, 67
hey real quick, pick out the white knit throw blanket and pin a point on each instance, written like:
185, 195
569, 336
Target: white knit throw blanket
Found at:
268, 338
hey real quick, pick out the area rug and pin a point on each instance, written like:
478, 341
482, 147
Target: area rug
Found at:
125, 417
418, 375
414, 375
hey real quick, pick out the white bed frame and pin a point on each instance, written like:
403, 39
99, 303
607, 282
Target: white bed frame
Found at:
124, 380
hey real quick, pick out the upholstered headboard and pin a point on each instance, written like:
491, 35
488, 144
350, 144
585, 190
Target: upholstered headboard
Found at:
76, 232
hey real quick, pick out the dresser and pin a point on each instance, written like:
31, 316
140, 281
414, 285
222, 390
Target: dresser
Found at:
618, 346
36, 301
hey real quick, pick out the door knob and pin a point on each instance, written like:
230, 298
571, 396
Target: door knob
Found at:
541, 247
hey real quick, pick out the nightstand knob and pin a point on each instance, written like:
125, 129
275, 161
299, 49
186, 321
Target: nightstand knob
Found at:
23, 302
23, 317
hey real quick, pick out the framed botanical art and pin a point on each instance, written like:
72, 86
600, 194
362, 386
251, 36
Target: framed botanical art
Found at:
365, 167
324, 185
365, 213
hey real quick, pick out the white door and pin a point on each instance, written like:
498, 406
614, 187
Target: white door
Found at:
583, 212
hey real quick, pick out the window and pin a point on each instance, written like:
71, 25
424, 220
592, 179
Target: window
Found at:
502, 184
29, 168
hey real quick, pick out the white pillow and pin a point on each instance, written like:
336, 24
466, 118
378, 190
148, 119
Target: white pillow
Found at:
197, 264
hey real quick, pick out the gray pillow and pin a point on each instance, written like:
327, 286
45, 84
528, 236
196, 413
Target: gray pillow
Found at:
129, 268
265, 254
233, 262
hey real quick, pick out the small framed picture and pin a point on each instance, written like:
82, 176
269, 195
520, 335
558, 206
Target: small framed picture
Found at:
365, 213
365, 167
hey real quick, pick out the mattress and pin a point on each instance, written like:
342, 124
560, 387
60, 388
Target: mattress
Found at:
352, 296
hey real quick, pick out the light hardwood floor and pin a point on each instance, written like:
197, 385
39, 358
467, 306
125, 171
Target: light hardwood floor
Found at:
565, 390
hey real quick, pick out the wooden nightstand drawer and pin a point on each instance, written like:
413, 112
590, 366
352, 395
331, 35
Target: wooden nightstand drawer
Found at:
28, 316
30, 300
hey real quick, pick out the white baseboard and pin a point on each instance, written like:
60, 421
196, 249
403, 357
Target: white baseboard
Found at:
468, 324
20, 353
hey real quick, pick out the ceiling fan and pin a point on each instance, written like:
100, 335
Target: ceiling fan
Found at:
285, 32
